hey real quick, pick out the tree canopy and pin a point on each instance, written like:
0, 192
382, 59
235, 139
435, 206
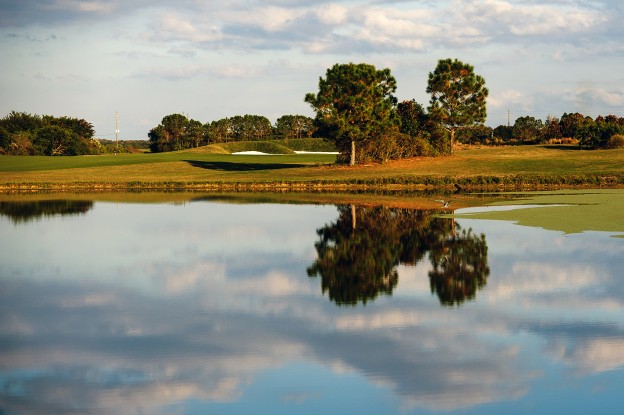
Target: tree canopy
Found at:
354, 104
458, 95
30, 134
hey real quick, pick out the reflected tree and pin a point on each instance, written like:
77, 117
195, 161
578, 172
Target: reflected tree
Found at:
358, 254
22, 212
460, 267
356, 262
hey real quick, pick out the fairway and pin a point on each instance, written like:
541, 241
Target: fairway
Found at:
486, 165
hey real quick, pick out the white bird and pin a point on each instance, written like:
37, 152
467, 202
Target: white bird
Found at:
445, 203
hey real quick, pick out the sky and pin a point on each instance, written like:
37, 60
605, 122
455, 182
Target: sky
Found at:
145, 59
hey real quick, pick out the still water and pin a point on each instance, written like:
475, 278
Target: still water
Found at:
207, 307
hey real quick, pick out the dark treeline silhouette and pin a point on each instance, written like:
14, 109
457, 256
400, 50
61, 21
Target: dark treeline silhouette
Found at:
358, 254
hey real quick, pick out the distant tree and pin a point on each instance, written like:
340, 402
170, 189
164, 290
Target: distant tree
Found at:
169, 134
20, 144
354, 104
616, 141
503, 132
598, 134
80, 127
614, 119
572, 123
250, 127
412, 116
552, 128
474, 135
294, 126
26, 134
21, 121
458, 96
53, 140
220, 131
176, 132
195, 134
527, 129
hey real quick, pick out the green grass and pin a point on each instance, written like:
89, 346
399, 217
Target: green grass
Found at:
531, 167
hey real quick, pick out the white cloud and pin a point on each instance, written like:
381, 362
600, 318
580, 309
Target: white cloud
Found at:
507, 17
600, 96
509, 97
172, 26
332, 14
269, 18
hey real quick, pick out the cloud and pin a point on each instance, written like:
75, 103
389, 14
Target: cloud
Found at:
509, 97
20, 13
334, 27
599, 355
598, 97
332, 14
502, 17
172, 26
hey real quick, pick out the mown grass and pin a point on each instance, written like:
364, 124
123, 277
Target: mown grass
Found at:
500, 167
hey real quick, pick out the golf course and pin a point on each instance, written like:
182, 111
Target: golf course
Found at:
213, 167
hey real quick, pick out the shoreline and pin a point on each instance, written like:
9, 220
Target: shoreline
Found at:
431, 183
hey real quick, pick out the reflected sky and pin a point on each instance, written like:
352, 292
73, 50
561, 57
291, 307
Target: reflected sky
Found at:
207, 308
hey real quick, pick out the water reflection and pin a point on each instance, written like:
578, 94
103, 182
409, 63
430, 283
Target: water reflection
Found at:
358, 254
21, 212
207, 308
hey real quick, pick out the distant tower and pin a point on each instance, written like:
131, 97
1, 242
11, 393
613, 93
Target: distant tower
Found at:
116, 132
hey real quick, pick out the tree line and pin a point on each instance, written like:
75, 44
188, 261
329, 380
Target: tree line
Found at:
603, 132
178, 132
355, 109
27, 134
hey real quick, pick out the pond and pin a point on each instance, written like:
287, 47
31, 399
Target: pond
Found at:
214, 305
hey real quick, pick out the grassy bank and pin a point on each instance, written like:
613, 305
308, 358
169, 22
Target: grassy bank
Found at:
210, 168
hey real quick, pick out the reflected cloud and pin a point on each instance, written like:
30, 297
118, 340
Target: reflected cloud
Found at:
203, 311
599, 355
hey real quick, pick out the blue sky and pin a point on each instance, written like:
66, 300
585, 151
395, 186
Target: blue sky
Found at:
148, 58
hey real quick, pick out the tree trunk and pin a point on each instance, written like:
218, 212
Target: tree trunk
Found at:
352, 163
452, 139
353, 217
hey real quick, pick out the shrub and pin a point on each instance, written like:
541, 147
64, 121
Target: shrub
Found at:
616, 141
269, 147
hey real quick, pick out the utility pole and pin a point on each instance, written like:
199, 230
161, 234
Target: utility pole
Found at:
508, 118
116, 132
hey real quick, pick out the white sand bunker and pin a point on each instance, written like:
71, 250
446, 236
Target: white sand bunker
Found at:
253, 153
